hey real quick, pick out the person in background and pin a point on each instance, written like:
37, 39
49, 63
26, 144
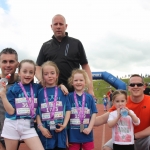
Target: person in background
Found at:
140, 104
83, 113
121, 121
8, 64
105, 102
147, 89
67, 52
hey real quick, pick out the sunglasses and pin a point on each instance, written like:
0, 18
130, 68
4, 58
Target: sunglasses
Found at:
137, 84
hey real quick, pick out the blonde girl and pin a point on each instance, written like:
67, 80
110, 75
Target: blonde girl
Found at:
83, 112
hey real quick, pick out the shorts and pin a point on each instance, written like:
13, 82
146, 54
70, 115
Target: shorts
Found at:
18, 129
142, 144
109, 144
85, 146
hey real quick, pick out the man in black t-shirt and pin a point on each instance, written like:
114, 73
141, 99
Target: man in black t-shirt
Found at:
67, 52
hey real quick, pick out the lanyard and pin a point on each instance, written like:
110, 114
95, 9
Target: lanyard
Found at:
52, 111
80, 111
29, 101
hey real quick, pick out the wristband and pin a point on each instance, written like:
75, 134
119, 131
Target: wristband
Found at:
39, 125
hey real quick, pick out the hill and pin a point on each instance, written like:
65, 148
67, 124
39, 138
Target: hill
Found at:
101, 87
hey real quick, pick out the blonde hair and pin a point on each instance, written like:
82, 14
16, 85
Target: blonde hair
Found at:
80, 71
118, 92
48, 63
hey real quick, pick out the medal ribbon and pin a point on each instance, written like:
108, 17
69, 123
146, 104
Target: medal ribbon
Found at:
52, 111
29, 102
80, 111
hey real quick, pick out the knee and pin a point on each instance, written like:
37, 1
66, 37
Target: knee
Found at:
106, 148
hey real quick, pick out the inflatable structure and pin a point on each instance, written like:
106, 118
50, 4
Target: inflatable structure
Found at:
109, 78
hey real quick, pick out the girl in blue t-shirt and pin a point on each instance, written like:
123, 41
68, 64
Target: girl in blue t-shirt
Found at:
83, 113
53, 110
20, 104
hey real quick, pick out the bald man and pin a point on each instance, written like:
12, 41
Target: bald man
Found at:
67, 52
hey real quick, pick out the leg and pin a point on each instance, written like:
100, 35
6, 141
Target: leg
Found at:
1, 146
11, 144
34, 143
108, 145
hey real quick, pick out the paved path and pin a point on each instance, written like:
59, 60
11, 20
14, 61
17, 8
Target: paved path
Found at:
101, 133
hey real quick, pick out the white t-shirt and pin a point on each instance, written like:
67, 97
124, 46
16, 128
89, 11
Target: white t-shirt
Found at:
123, 131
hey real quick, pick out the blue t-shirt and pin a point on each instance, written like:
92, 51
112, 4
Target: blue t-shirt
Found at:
74, 134
58, 139
15, 92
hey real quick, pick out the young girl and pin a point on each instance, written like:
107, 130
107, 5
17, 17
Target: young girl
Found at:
53, 110
83, 113
122, 126
20, 105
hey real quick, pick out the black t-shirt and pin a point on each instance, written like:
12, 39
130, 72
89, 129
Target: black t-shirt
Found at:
68, 54
147, 91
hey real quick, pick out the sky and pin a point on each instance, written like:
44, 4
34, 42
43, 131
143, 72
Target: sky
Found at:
114, 33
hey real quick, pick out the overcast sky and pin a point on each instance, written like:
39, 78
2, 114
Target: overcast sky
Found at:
114, 33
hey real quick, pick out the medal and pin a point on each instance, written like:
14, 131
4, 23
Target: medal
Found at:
80, 111
52, 125
81, 127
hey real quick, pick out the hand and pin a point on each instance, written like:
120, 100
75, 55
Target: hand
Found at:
64, 89
45, 132
118, 112
2, 89
87, 131
61, 128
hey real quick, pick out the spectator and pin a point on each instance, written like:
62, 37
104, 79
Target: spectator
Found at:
147, 89
140, 104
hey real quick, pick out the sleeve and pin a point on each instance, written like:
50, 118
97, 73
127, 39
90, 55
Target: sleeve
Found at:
83, 58
68, 106
110, 117
93, 105
11, 97
40, 58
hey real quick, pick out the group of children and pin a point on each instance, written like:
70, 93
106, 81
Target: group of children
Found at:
60, 119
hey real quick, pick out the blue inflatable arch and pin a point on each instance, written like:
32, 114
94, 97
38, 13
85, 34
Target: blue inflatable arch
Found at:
109, 78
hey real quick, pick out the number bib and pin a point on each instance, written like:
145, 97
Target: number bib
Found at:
22, 108
58, 111
74, 118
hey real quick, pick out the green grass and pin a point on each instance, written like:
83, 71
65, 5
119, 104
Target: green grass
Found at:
101, 87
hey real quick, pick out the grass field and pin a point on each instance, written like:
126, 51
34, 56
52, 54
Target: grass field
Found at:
101, 87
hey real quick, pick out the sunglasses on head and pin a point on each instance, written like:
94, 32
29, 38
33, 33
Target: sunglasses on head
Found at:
137, 84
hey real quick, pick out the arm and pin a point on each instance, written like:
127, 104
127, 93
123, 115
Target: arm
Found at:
38, 72
142, 134
100, 120
8, 107
112, 123
90, 127
43, 130
86, 67
62, 126
135, 119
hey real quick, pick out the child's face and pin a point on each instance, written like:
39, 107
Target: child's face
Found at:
50, 76
78, 82
26, 73
119, 101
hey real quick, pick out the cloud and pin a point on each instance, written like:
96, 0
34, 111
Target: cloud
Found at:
115, 34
